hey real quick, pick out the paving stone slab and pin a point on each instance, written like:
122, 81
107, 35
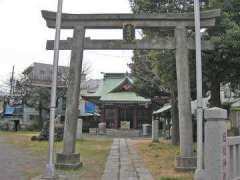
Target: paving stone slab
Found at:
123, 163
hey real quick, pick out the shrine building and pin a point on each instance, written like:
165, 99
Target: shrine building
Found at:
118, 104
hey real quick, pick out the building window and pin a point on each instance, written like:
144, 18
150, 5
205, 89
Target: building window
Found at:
42, 72
227, 93
33, 117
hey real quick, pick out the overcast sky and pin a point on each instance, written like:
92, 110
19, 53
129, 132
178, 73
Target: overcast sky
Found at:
23, 35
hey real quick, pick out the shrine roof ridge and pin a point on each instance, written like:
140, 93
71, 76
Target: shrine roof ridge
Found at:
209, 14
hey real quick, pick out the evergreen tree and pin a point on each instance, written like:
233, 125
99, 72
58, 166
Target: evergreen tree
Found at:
219, 66
222, 65
159, 67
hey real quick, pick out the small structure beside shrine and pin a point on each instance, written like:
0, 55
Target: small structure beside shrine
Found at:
120, 107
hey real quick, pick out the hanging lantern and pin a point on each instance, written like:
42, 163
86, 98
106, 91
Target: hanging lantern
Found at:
128, 32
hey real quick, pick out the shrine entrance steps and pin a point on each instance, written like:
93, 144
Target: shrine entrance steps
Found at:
117, 133
124, 164
123, 133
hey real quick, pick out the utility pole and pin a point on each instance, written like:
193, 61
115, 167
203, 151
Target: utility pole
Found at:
12, 82
199, 171
50, 166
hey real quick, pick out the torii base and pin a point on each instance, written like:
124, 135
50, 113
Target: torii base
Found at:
68, 161
186, 163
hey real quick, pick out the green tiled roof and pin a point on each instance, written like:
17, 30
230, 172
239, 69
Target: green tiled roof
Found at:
123, 96
106, 91
107, 85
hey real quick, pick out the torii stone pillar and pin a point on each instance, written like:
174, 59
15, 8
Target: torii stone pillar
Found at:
69, 158
186, 159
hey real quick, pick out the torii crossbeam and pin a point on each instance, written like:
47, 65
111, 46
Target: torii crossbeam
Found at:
154, 44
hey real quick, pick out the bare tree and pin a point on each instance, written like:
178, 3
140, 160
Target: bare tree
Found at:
38, 97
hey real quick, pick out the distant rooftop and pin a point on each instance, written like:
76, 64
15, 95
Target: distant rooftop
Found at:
41, 74
116, 75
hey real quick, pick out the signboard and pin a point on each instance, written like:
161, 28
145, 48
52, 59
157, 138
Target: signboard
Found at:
90, 107
125, 125
9, 110
15, 100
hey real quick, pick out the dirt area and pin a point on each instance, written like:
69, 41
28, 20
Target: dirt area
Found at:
16, 163
26, 159
159, 158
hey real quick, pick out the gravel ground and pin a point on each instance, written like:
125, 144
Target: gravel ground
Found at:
14, 161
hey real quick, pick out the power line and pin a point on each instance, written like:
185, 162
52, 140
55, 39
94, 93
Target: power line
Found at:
108, 55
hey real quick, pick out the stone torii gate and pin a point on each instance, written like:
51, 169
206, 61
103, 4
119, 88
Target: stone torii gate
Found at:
179, 23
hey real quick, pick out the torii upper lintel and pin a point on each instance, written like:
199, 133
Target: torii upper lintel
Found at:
69, 21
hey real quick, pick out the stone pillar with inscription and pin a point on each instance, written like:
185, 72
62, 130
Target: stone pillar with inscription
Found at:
80, 129
69, 158
155, 130
185, 160
215, 144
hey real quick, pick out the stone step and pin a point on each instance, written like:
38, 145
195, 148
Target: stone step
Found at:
123, 133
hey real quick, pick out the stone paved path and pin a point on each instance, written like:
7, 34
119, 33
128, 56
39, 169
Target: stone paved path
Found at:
13, 161
124, 164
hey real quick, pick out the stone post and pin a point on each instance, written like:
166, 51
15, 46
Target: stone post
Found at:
155, 130
69, 158
215, 143
102, 128
79, 129
186, 159
146, 128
